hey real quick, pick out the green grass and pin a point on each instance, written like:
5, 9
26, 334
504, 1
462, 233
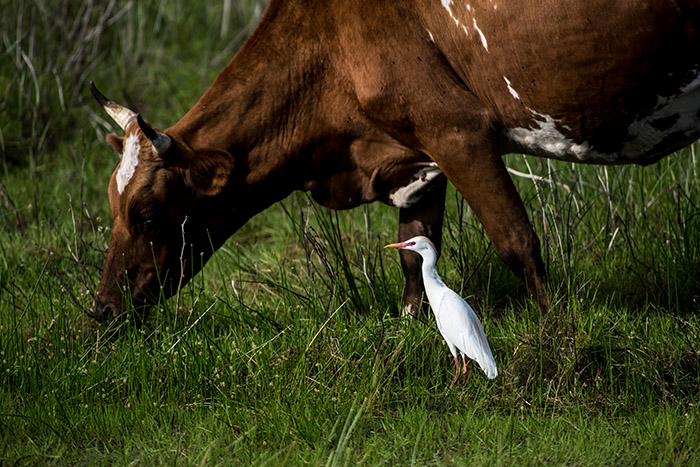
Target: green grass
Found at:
287, 348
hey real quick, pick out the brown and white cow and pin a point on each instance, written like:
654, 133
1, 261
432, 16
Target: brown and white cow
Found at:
360, 101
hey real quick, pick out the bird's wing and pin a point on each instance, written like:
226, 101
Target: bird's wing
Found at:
441, 324
461, 327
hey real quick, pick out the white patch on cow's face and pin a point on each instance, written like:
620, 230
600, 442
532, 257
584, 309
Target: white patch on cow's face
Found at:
481, 35
430, 35
512, 91
130, 159
410, 194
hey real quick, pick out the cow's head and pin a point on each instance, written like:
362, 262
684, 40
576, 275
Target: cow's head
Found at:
166, 216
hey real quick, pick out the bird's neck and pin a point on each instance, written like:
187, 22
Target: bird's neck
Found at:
430, 274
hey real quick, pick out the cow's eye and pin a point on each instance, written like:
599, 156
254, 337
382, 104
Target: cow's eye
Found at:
146, 221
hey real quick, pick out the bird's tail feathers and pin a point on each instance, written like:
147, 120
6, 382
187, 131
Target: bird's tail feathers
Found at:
485, 358
488, 365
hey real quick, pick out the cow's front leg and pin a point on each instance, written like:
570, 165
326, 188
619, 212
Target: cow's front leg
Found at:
481, 177
423, 218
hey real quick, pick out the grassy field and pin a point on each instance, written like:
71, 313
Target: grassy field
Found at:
288, 348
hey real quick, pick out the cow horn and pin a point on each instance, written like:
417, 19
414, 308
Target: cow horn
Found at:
160, 141
121, 115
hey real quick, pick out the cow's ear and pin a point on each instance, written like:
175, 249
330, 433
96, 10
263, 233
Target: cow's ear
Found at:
208, 172
117, 142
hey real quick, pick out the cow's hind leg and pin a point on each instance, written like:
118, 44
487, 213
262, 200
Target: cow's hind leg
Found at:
423, 218
444, 120
480, 175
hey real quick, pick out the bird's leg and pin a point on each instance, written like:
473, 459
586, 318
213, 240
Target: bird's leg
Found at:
465, 370
456, 372
423, 218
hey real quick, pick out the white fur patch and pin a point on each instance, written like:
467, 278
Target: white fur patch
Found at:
481, 35
512, 91
643, 137
410, 194
681, 108
447, 4
548, 139
130, 159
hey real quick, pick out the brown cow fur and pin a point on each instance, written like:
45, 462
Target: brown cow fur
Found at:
353, 101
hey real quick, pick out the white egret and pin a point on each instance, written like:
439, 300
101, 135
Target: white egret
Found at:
456, 320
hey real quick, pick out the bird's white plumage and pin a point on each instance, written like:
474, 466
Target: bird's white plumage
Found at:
462, 330
456, 320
